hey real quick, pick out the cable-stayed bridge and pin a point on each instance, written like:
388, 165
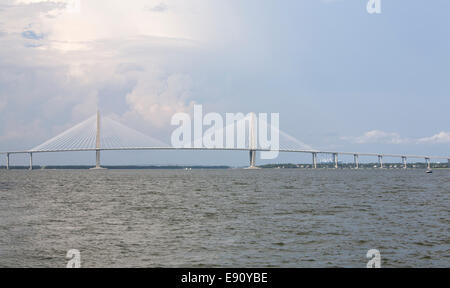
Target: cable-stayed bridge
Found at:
99, 133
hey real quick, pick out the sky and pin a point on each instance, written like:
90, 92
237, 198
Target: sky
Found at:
341, 79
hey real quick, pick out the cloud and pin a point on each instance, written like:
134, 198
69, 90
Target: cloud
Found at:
440, 138
331, 1
377, 136
156, 101
2, 103
382, 137
40, 1
23, 131
29, 34
56, 67
161, 7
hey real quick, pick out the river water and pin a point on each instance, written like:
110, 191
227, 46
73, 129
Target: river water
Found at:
224, 218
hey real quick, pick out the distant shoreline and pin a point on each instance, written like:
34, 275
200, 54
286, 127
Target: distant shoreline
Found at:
224, 167
115, 167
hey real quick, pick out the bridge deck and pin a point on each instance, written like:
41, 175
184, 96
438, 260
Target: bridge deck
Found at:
231, 149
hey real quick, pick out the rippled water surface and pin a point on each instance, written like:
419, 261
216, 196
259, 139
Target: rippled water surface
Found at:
222, 218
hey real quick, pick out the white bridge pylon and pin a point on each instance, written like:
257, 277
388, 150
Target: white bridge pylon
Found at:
249, 133
99, 133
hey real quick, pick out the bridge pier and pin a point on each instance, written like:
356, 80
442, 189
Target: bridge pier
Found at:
31, 161
380, 161
428, 163
7, 161
314, 160
97, 144
336, 160
405, 163
97, 159
252, 158
356, 156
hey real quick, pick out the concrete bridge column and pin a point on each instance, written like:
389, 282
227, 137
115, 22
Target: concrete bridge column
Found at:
336, 160
97, 159
356, 156
380, 161
7, 161
252, 158
97, 142
405, 163
31, 161
314, 160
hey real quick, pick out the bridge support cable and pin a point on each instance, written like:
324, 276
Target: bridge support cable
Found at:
99, 133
